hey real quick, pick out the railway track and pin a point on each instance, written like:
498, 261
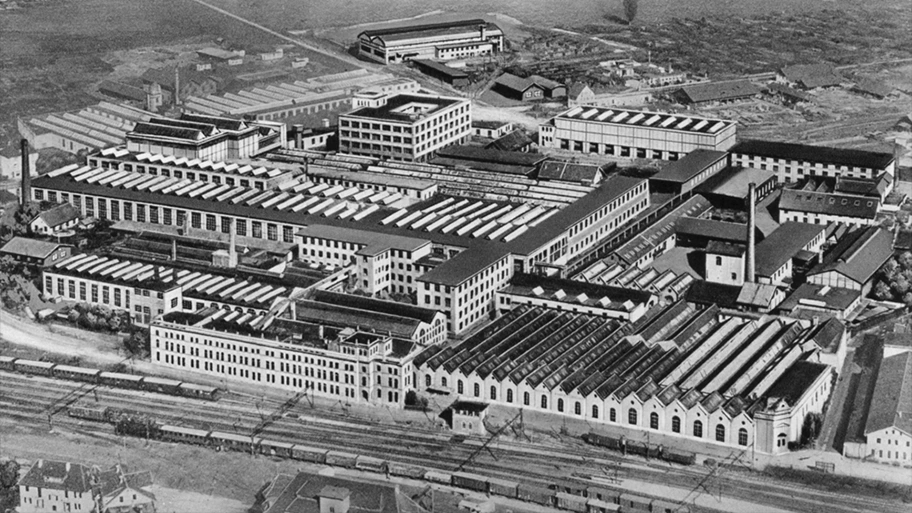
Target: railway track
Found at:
30, 399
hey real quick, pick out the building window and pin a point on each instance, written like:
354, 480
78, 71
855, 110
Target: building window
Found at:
595, 411
544, 402
675, 424
459, 387
698, 429
718, 261
210, 222
477, 390
578, 408
509, 396
196, 220
742, 436
632, 416
526, 398
612, 415
427, 380
720, 433
560, 405
654, 420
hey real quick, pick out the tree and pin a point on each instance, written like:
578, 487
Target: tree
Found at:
905, 260
630, 10
907, 299
882, 291
890, 269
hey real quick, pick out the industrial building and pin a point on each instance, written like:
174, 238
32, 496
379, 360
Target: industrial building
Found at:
442, 72
530, 88
194, 136
345, 364
405, 127
854, 261
437, 41
685, 174
717, 92
888, 430
36, 252
306, 493
634, 134
794, 162
809, 76
92, 128
827, 208
684, 370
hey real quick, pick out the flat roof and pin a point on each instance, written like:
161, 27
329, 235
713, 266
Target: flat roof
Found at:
375, 243
734, 182
475, 153
689, 166
388, 111
441, 68
806, 152
646, 119
820, 296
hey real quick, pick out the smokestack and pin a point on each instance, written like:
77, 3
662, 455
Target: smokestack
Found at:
299, 136
483, 31
173, 250
232, 245
325, 122
26, 192
751, 228
176, 86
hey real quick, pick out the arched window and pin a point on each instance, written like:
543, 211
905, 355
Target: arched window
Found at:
493, 393
742, 436
676, 424
526, 398
509, 396
578, 408
560, 405
443, 381
595, 411
654, 420
698, 429
427, 380
612, 415
720, 433
459, 388
632, 416
781, 440
477, 390
544, 402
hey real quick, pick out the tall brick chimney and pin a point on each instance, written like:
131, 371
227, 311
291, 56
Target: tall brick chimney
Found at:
750, 272
232, 244
176, 86
26, 192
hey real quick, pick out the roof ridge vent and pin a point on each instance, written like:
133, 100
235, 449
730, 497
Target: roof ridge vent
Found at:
538, 291
560, 294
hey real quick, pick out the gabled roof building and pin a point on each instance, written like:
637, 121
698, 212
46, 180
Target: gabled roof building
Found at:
855, 260
437, 41
888, 429
794, 162
809, 76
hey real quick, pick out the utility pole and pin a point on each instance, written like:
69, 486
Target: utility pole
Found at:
490, 439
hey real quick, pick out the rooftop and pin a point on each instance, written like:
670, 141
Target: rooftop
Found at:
717, 247
719, 91
406, 108
658, 120
858, 255
733, 182
428, 30
578, 292
829, 203
795, 381
569, 172
475, 153
374, 243
820, 297
405, 310
891, 406
58, 475
469, 406
711, 229
805, 152
689, 166
783, 244
33, 248
812, 75
441, 68
301, 493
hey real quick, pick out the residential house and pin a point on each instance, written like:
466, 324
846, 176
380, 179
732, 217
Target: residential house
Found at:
38, 252
55, 220
11, 163
56, 486
327, 494
528, 89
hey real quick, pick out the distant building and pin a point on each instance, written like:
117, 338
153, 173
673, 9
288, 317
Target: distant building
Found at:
187, 81
118, 491
468, 417
89, 129
218, 55
516, 140
491, 129
407, 127
729, 188
820, 302
634, 134
438, 41
38, 252
581, 94
126, 92
527, 89
563, 171
682, 176
786, 94
11, 163
717, 92
794, 162
827, 208
55, 220
809, 76
888, 430
55, 486
725, 263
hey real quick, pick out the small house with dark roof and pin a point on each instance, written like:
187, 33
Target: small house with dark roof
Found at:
11, 162
873, 88
698, 232
717, 92
684, 175
442, 72
122, 91
55, 220
491, 129
312, 493
528, 89
888, 429
56, 486
786, 94
36, 252
809, 76
119, 491
855, 260
517, 140
565, 171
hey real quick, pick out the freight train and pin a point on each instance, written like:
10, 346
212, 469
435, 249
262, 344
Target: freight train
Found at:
570, 495
114, 379
641, 449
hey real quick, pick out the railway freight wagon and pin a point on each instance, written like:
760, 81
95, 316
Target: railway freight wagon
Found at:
570, 502
680, 457
32, 367
502, 487
410, 471
341, 459
529, 493
435, 476
470, 481
370, 464
310, 454
97, 414
600, 506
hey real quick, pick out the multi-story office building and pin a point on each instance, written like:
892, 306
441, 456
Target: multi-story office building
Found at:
437, 41
344, 364
795, 162
408, 127
634, 134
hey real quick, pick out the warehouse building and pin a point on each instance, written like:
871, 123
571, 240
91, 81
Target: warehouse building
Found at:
35, 252
717, 92
855, 260
634, 134
529, 89
827, 208
437, 41
809, 76
442, 72
795, 162
92, 128
685, 371
691, 170
405, 127
344, 364
888, 430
